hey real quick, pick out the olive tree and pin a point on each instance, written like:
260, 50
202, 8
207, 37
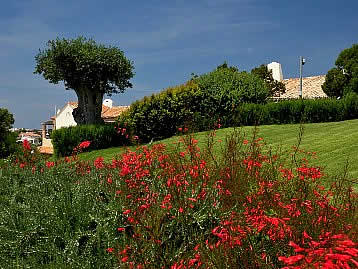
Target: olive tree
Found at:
88, 68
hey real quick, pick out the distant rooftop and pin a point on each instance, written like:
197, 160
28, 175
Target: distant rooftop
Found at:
311, 87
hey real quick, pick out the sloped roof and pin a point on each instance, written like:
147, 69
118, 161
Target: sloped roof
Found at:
30, 134
311, 87
113, 112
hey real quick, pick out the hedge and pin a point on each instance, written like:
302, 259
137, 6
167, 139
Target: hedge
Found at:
64, 140
296, 111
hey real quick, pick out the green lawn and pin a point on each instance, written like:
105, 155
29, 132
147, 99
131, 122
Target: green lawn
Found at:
334, 142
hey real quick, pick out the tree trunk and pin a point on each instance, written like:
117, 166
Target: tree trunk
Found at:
89, 107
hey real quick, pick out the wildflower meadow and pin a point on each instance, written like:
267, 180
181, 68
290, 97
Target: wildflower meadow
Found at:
183, 207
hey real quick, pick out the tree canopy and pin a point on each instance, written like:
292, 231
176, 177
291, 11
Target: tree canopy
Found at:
6, 121
6, 138
275, 87
88, 68
343, 78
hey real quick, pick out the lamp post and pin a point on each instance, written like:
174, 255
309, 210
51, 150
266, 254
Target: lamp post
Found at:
302, 62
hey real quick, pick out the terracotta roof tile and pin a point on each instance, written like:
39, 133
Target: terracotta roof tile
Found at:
114, 111
73, 104
311, 87
31, 134
45, 150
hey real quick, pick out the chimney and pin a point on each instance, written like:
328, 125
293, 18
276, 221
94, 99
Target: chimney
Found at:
108, 103
276, 70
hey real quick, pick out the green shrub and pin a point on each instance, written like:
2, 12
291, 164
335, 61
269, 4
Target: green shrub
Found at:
65, 140
8, 144
200, 102
7, 138
296, 111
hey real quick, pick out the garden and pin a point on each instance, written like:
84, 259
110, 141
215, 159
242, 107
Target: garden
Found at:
187, 207
209, 196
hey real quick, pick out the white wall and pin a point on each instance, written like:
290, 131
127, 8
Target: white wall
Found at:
276, 70
46, 142
65, 118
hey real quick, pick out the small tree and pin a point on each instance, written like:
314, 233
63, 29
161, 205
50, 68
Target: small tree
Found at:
91, 70
344, 77
275, 87
7, 139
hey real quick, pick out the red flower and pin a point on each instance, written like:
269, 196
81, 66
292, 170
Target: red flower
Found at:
98, 163
50, 164
126, 212
26, 145
291, 260
84, 144
110, 250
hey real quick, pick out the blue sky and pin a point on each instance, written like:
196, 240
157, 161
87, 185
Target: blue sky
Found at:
167, 41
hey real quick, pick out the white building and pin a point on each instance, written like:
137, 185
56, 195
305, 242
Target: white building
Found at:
64, 117
32, 137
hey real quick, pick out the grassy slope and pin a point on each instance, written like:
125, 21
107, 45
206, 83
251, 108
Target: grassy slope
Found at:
334, 142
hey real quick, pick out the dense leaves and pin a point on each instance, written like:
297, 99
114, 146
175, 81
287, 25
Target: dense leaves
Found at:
343, 78
83, 63
65, 140
296, 111
7, 139
275, 87
201, 102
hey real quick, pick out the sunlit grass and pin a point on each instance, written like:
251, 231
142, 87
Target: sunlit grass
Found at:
334, 142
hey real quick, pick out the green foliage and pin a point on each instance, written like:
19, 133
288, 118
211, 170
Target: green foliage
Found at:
343, 78
200, 103
82, 63
6, 121
335, 83
7, 139
54, 219
230, 87
296, 111
225, 65
65, 140
8, 145
275, 87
